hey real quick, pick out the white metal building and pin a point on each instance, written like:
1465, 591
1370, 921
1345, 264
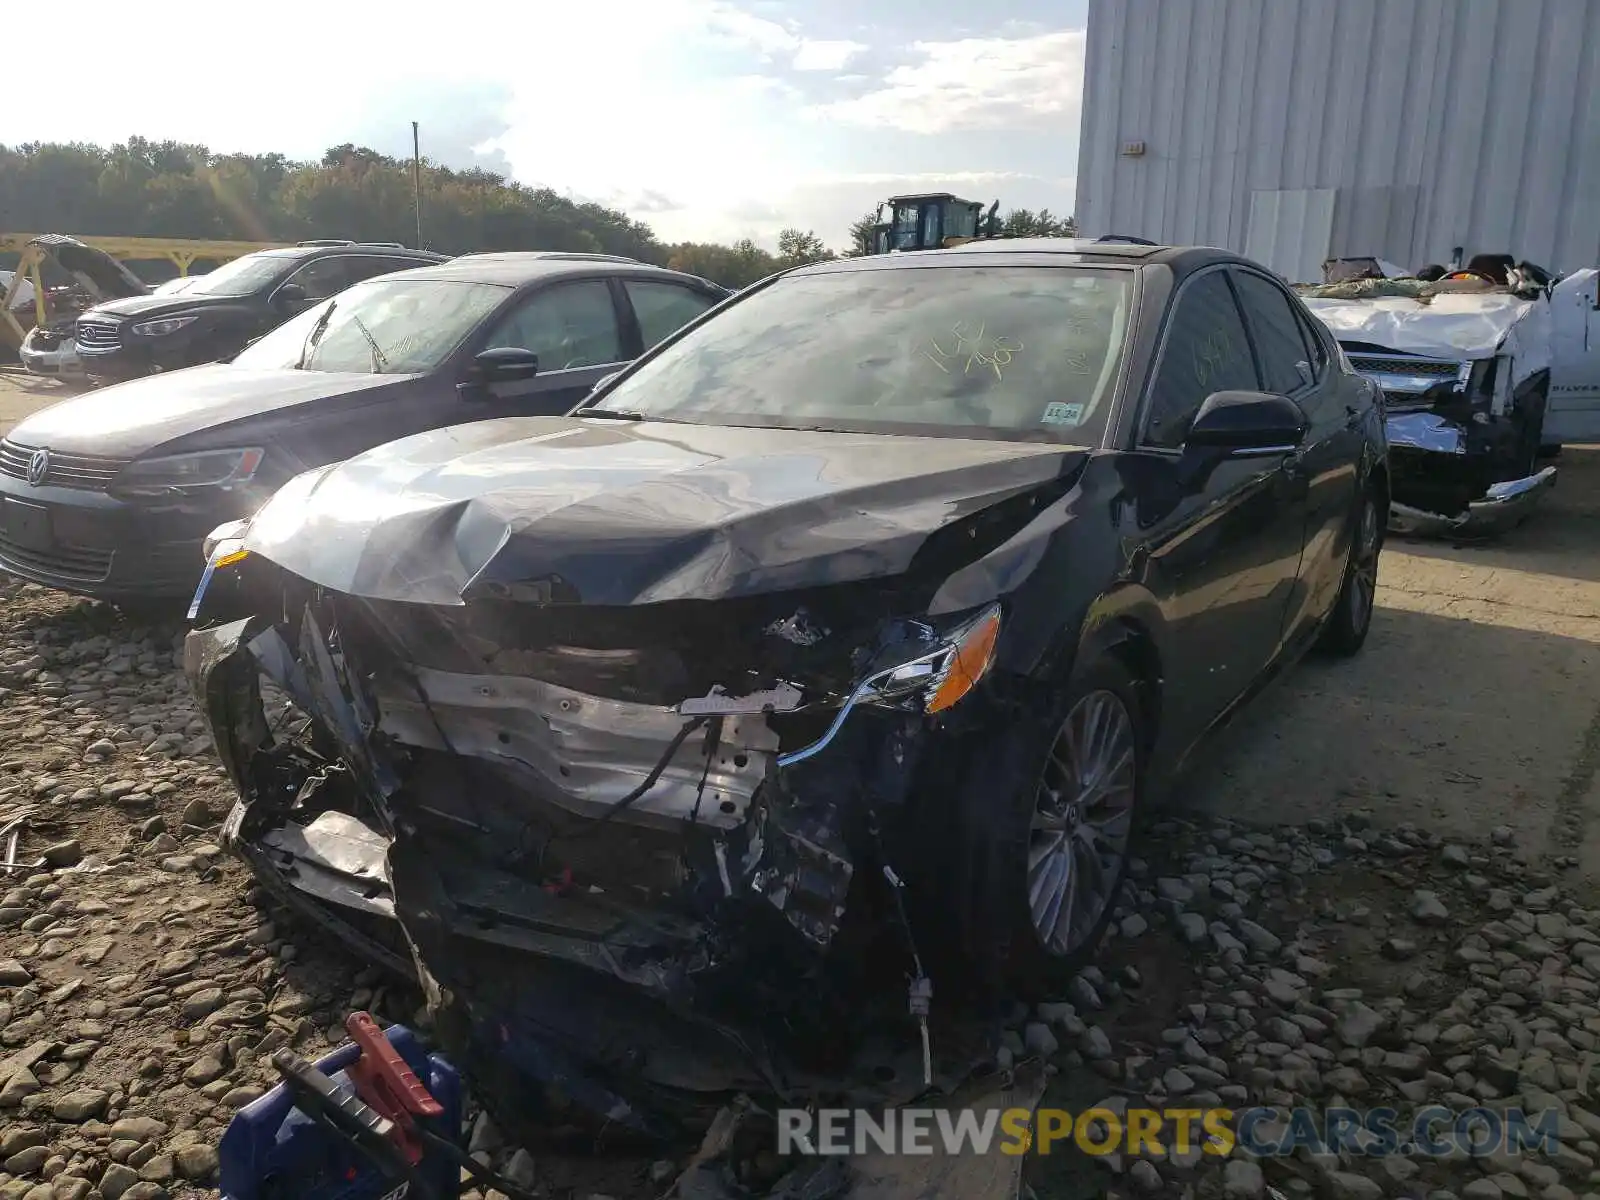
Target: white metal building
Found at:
1297, 130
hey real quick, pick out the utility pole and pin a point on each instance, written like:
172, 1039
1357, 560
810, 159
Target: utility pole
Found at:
416, 178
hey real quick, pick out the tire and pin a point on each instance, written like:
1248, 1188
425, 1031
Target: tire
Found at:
1023, 852
1531, 444
1351, 618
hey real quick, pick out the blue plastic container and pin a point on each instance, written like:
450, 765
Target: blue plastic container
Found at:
272, 1151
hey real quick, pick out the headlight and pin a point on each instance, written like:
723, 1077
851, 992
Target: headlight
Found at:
181, 472
164, 326
228, 531
944, 675
940, 677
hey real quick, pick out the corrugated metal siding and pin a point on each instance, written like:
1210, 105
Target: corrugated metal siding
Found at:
1439, 123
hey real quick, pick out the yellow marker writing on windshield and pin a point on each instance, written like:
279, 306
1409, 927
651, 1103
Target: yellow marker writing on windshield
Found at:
971, 350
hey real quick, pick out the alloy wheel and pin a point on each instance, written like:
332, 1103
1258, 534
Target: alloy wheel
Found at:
1364, 568
1082, 822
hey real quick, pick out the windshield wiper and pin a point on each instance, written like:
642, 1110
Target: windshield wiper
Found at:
311, 337
612, 414
379, 359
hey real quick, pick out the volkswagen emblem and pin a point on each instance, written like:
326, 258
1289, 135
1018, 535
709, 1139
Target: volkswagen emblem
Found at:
38, 467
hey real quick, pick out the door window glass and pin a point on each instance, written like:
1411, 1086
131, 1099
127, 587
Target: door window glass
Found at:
1206, 351
663, 308
1285, 360
567, 326
323, 278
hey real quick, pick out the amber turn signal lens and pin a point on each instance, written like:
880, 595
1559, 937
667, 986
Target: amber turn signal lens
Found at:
971, 661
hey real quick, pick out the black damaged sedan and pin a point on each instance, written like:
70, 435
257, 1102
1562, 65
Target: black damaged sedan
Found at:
834, 643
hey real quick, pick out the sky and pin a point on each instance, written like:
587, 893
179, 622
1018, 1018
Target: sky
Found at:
709, 119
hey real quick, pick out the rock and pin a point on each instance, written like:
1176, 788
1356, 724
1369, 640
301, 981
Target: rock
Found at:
200, 1004
203, 1070
520, 1170
1455, 856
1357, 1024
1398, 949
1094, 1044
1145, 1178
80, 1105
145, 1191
159, 1169
20, 1138
1242, 1180
238, 1097
23, 1083
117, 1180
27, 1162
1038, 1039
196, 1163
13, 973
1193, 927
1345, 1185
1482, 1189
1261, 940
198, 813
63, 854
1428, 909
140, 1129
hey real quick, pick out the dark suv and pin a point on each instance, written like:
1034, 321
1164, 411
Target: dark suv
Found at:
216, 315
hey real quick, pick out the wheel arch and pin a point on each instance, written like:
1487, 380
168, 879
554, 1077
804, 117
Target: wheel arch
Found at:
1129, 628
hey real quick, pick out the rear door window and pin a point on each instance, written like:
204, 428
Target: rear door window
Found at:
1286, 365
664, 308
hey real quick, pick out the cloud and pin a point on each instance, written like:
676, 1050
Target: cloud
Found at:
649, 201
825, 56
913, 180
774, 40
975, 83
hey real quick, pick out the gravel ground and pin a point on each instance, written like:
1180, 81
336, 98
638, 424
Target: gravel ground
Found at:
1386, 898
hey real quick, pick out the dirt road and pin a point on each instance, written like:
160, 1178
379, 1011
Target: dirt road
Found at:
1476, 702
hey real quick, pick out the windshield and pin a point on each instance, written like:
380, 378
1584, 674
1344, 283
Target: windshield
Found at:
386, 327
1029, 352
241, 276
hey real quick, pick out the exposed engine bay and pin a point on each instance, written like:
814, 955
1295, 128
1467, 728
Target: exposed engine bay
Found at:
653, 855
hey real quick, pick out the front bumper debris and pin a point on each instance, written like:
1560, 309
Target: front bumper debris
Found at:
439, 832
1444, 478
1504, 506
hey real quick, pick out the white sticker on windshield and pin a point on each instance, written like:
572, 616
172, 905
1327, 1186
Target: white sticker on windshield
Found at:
1062, 414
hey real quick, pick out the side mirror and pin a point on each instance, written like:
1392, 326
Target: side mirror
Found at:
291, 297
1247, 422
501, 364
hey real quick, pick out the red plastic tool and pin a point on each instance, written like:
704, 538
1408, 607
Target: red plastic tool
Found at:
387, 1085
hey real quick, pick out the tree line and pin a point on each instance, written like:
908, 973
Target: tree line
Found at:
142, 188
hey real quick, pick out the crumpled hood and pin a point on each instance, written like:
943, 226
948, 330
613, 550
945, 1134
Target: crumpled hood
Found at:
130, 419
1449, 325
557, 509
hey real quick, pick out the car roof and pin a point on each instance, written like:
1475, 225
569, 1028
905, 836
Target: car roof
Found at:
308, 250
516, 267
1034, 252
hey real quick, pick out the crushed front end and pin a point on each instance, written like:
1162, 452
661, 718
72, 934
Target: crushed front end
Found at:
1464, 368
651, 856
1463, 441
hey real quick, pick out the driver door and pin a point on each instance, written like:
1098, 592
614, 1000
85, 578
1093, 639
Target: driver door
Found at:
1220, 554
576, 330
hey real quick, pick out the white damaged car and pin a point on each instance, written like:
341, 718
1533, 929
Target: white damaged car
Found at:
1485, 372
